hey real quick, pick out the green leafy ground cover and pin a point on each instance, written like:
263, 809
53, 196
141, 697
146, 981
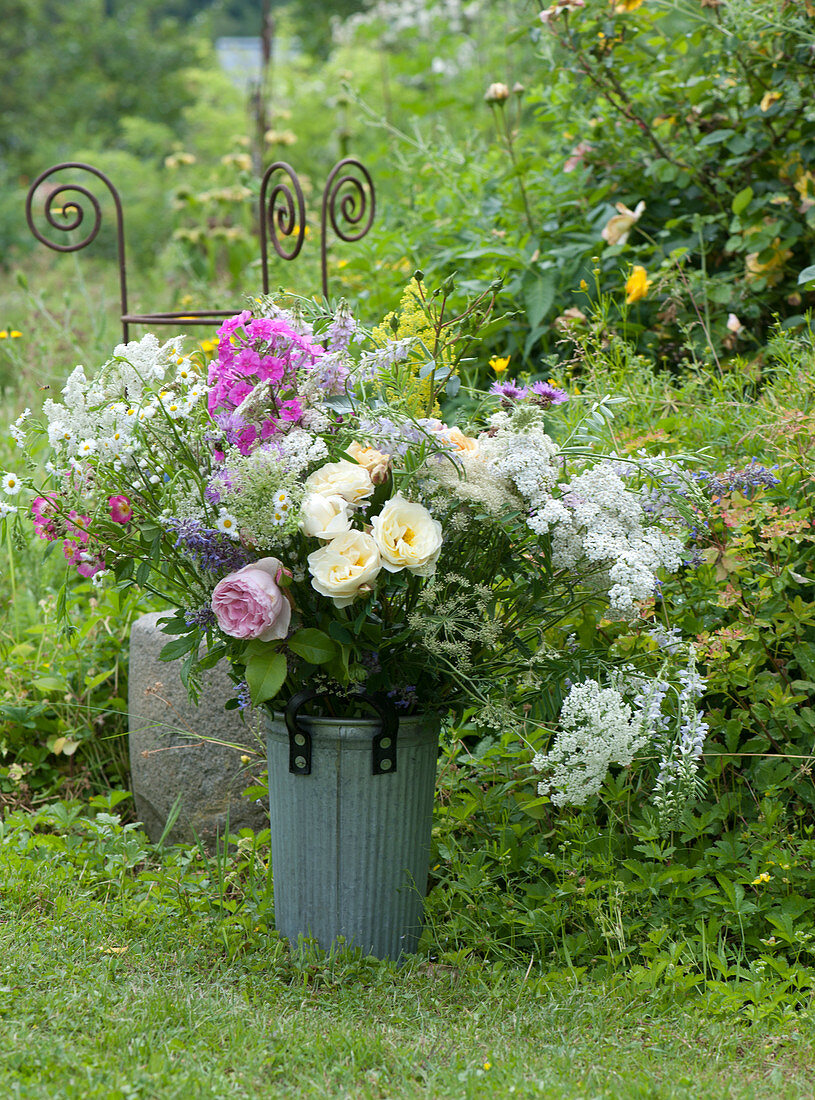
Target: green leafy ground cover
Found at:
132, 972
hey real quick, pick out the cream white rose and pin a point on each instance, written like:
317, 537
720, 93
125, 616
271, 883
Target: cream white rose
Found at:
324, 517
407, 536
345, 479
345, 565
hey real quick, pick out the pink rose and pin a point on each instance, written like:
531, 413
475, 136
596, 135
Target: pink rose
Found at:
249, 604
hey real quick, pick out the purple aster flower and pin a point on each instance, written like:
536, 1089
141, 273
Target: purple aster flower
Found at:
510, 390
548, 395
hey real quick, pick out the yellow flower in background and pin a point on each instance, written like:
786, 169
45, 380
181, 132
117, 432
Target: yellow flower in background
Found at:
805, 186
761, 879
772, 269
636, 285
622, 6
499, 363
769, 98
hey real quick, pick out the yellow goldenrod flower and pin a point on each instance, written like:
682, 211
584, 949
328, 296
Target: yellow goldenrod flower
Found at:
636, 285
500, 363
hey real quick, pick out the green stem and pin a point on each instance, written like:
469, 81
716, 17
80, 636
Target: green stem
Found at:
12, 580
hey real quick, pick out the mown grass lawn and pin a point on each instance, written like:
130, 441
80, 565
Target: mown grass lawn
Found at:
102, 995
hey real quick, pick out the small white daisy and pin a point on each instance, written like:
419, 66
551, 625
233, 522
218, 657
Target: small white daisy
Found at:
86, 447
11, 484
227, 524
6, 509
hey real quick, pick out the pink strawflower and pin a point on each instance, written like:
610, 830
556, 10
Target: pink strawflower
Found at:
121, 510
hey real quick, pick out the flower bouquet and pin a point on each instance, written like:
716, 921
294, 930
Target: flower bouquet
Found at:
307, 510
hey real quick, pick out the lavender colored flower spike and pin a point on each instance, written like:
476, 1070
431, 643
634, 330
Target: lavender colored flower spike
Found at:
753, 476
210, 550
342, 330
201, 616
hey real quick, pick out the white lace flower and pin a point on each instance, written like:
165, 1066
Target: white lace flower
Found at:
597, 729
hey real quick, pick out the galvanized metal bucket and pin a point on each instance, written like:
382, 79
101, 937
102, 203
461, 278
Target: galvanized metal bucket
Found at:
351, 806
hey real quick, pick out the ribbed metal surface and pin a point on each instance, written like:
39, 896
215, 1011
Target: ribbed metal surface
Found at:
350, 850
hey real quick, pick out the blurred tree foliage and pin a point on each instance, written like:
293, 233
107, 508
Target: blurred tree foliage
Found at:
310, 21
75, 69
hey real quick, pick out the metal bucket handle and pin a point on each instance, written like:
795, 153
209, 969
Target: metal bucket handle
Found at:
383, 744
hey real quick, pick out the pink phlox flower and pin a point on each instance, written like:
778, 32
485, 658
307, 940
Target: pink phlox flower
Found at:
247, 361
264, 328
121, 510
226, 355
271, 369
232, 323
291, 410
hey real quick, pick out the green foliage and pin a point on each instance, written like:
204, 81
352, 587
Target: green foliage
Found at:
63, 709
76, 70
703, 113
175, 975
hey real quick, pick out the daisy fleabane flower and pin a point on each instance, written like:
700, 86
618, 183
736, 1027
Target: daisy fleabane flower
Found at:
227, 525
10, 484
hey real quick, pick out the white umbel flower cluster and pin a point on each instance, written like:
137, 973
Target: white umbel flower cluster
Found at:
606, 525
472, 479
598, 728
